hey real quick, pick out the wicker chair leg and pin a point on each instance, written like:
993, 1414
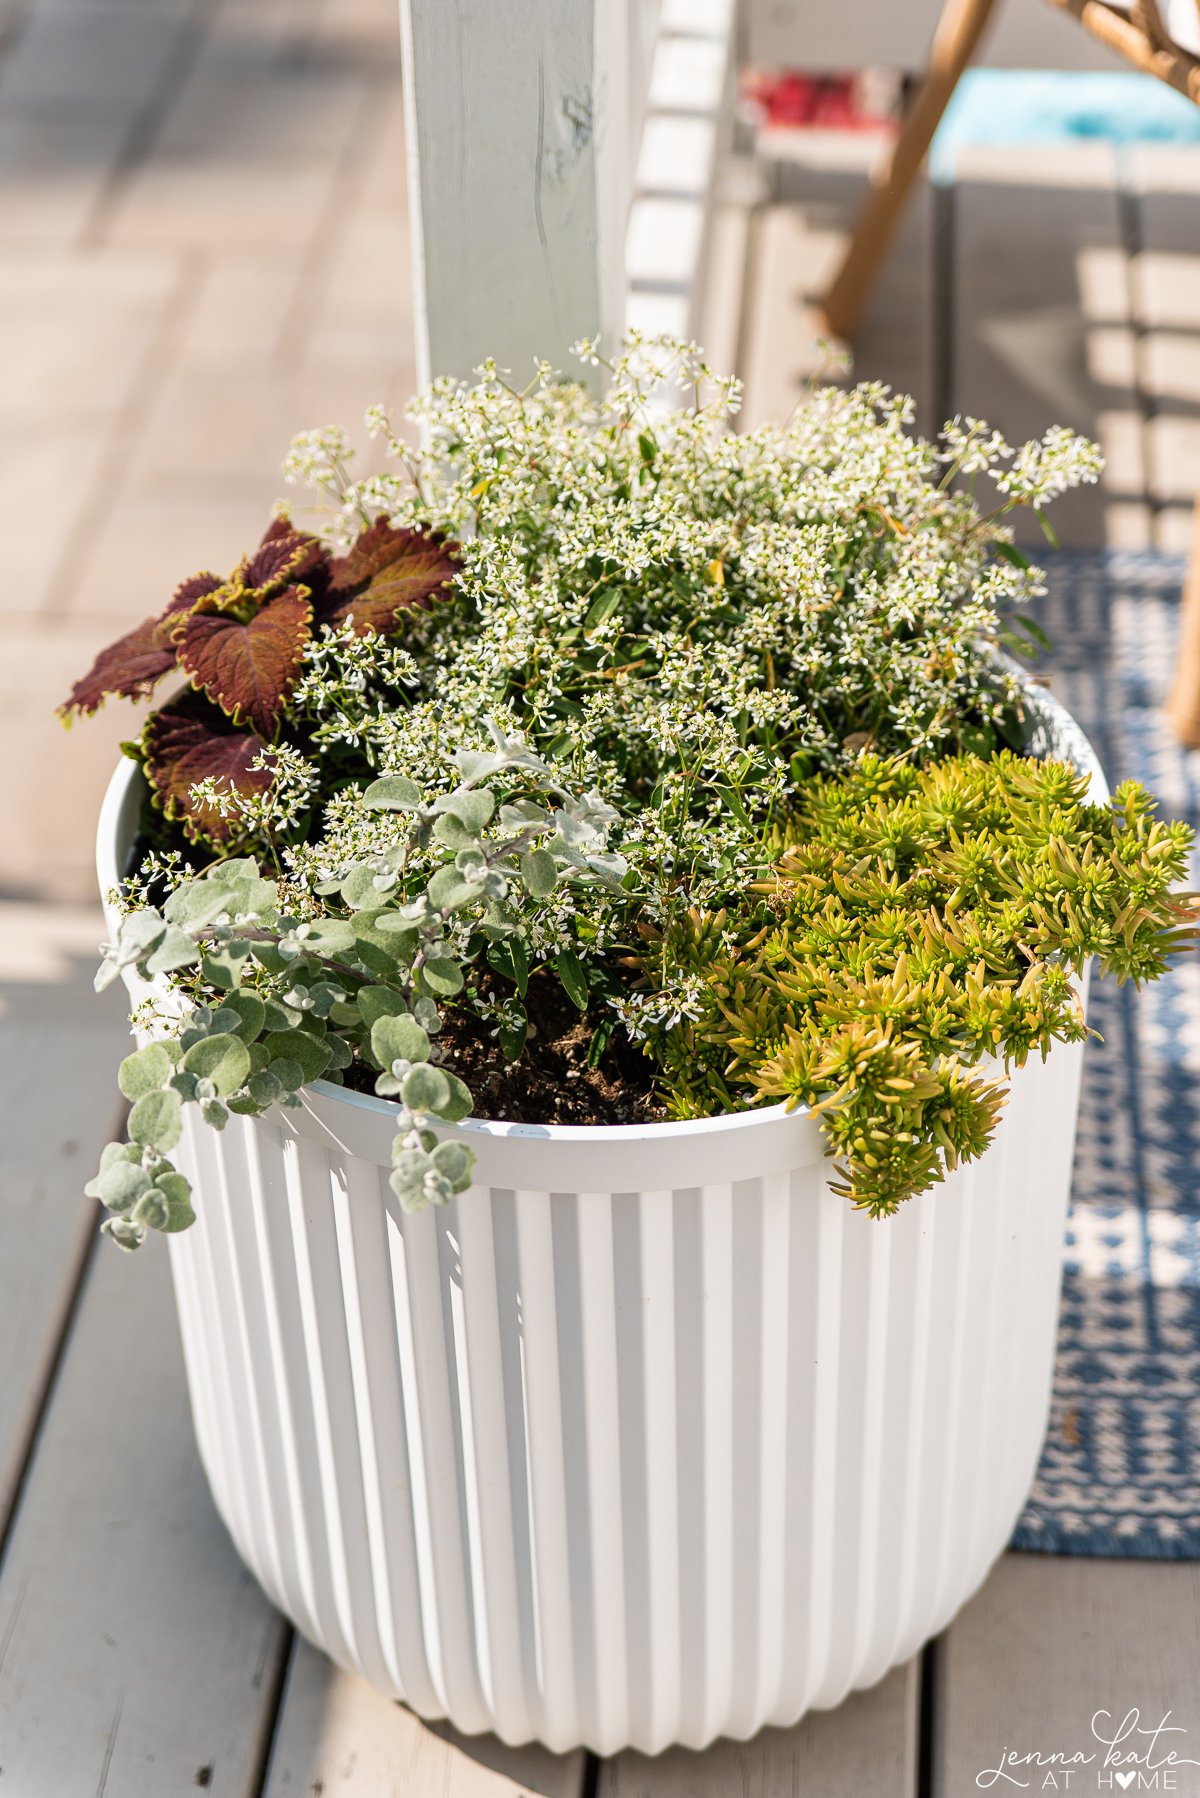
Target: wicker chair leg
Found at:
959, 30
1183, 706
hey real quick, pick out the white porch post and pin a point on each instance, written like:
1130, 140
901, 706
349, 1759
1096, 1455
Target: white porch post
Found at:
518, 121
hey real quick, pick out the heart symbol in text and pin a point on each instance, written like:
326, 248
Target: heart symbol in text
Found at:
1125, 1780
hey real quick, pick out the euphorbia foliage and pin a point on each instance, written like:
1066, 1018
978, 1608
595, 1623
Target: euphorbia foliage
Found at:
241, 643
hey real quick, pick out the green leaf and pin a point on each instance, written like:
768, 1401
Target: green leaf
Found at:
443, 977
459, 1105
359, 889
155, 1121
251, 1013
287, 1072
254, 898
233, 867
574, 978
376, 958
112, 1155
733, 801
265, 1088
449, 892
144, 1072
124, 1232
176, 949
139, 932
425, 1088
454, 1161
196, 903
375, 1002
454, 833
602, 608
1048, 531
1012, 554
398, 1038
472, 806
601, 1037
539, 873
396, 935
512, 1033
178, 1197
392, 793
300, 1046
223, 1059
269, 959
225, 966
1029, 627
330, 936
121, 1185
510, 958
278, 1016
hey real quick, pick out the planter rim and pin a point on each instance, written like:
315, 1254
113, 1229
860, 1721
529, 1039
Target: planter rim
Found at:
1053, 730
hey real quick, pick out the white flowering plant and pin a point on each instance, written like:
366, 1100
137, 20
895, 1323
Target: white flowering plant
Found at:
462, 774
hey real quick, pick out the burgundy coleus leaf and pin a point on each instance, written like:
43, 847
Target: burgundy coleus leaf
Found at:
130, 667
249, 668
284, 557
188, 741
386, 572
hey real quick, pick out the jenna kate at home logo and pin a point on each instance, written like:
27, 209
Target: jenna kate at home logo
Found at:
1131, 1755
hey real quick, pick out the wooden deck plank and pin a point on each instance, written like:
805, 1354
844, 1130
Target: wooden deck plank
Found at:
137, 1656
338, 1737
59, 1048
868, 1745
1049, 1642
819, 178
1038, 267
1164, 183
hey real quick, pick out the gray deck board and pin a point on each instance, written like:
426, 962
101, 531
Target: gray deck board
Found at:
1039, 268
59, 1049
1048, 1643
1164, 183
794, 249
338, 1737
137, 1656
867, 1745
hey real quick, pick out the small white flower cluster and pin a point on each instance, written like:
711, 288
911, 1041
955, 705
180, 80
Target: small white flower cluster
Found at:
690, 620
274, 811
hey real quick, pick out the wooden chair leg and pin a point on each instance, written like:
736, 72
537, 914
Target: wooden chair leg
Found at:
1183, 706
959, 29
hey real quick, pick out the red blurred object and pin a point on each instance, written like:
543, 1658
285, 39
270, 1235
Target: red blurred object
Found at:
795, 99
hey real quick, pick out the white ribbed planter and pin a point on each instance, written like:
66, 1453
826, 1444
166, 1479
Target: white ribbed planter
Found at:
648, 1437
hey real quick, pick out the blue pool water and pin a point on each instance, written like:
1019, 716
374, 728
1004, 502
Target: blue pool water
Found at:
1043, 107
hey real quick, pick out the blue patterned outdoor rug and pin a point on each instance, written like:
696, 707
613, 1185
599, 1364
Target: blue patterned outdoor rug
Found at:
1120, 1472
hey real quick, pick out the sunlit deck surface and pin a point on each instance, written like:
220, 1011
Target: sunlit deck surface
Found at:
202, 247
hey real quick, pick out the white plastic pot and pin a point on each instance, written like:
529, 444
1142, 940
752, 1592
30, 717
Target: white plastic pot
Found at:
648, 1437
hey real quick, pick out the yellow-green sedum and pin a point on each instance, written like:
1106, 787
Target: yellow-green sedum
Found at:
919, 933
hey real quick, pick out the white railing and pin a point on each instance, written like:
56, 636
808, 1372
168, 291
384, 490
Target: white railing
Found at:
562, 163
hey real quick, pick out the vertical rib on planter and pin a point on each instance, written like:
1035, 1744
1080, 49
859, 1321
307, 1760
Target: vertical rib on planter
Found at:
648, 1437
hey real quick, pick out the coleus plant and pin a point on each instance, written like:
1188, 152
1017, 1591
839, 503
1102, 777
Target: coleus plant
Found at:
240, 644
